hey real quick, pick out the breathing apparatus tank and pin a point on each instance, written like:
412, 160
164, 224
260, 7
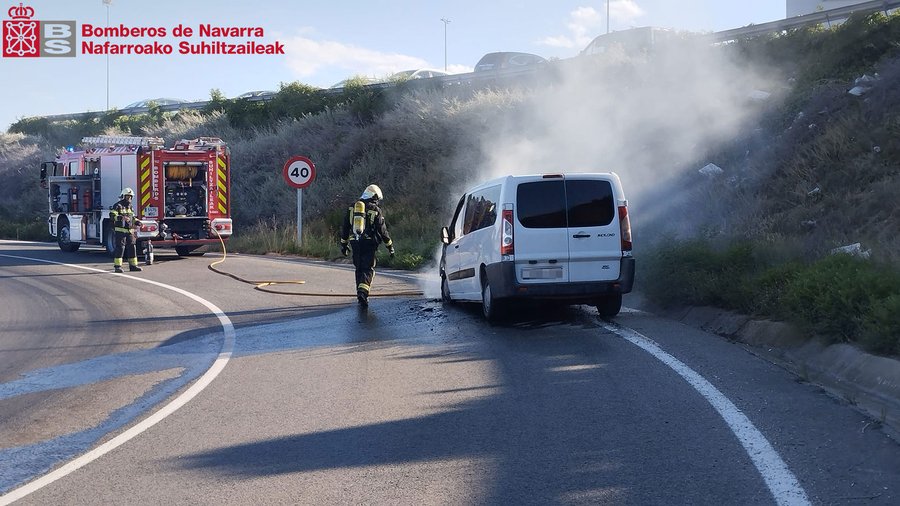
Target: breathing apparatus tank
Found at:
359, 218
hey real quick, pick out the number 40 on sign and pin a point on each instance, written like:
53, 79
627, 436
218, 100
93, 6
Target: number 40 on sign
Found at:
299, 172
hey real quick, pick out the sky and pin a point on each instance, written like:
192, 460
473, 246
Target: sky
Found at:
324, 42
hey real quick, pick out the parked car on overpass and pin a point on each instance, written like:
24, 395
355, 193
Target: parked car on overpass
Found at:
256, 95
507, 60
408, 75
142, 105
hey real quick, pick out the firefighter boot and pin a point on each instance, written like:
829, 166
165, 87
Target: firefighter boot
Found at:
118, 268
134, 268
362, 297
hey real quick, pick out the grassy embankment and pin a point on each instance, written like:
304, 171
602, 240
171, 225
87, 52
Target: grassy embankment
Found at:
830, 176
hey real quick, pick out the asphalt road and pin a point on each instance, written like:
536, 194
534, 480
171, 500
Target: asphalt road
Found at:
408, 402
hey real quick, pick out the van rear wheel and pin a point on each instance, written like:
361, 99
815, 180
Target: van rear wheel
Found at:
609, 305
490, 307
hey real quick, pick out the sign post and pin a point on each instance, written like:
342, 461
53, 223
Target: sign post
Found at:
299, 172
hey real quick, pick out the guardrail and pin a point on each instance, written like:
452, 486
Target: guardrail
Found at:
805, 20
476, 78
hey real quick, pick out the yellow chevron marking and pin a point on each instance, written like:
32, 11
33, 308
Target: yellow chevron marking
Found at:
222, 209
221, 162
145, 175
145, 199
222, 187
145, 162
222, 197
144, 188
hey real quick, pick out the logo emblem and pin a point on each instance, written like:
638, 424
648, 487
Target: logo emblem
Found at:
24, 37
21, 35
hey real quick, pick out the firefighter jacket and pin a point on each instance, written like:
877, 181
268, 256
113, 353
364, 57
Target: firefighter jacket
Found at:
122, 216
375, 228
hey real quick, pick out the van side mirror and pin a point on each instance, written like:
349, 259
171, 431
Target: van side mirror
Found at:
445, 235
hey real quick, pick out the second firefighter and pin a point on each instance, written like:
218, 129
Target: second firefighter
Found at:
363, 230
122, 217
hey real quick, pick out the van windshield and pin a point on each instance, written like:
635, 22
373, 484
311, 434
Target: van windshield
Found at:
558, 204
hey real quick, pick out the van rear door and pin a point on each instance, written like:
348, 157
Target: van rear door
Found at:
595, 248
541, 244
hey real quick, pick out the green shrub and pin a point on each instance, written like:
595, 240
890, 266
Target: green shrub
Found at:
832, 296
695, 273
881, 326
24, 231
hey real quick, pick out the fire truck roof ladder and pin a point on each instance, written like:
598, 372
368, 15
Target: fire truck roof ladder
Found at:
114, 140
200, 143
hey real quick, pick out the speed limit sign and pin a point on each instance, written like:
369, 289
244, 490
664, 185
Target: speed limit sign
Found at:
299, 172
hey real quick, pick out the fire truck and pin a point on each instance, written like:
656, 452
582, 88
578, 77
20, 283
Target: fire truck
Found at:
182, 194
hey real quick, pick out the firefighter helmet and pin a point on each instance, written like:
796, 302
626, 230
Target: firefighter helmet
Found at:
372, 192
127, 192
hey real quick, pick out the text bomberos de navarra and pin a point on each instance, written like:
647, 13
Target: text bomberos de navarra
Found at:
184, 47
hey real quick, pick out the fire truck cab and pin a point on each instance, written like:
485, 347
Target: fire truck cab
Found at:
182, 194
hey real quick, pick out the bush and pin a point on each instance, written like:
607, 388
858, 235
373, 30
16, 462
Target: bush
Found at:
881, 326
693, 272
831, 297
840, 298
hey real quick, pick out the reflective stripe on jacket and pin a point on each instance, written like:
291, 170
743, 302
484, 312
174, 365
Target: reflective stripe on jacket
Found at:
122, 216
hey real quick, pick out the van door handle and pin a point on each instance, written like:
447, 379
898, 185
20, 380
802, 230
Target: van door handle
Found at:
456, 247
581, 236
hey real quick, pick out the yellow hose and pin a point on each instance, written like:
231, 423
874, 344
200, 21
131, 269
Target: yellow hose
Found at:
261, 285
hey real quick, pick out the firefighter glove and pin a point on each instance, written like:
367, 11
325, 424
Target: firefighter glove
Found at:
345, 250
391, 251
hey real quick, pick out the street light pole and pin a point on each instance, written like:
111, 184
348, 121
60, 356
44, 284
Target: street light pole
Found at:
107, 3
445, 20
607, 17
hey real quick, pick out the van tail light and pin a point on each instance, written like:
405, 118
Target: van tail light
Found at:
625, 229
507, 243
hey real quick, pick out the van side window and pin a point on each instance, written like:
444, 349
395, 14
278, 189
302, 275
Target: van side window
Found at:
456, 226
590, 203
481, 209
541, 204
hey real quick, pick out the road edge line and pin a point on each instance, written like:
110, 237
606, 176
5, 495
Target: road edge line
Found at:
782, 483
197, 387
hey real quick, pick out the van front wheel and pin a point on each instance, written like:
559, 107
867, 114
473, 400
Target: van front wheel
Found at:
445, 290
609, 305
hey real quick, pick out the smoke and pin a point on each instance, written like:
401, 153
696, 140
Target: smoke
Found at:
649, 118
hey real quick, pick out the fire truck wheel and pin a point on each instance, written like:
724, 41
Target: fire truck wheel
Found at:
63, 237
110, 241
184, 251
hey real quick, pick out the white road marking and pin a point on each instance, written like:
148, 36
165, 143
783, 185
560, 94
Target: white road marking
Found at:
168, 409
781, 481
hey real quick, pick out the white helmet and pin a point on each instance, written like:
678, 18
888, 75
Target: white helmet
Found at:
372, 191
127, 192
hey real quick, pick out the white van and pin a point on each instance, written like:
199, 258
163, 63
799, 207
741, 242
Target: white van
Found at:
559, 237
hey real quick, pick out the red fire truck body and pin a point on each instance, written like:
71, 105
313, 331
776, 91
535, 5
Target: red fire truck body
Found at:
182, 194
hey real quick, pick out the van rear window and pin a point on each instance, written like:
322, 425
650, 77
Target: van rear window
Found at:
541, 204
561, 204
590, 203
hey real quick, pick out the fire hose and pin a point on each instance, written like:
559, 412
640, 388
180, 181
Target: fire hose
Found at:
262, 285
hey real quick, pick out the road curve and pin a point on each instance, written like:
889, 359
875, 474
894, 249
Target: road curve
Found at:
416, 402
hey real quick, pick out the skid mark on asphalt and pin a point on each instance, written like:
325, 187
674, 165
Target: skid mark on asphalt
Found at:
65, 447
781, 481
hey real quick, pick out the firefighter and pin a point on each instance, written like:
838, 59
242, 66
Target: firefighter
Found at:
363, 230
122, 217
